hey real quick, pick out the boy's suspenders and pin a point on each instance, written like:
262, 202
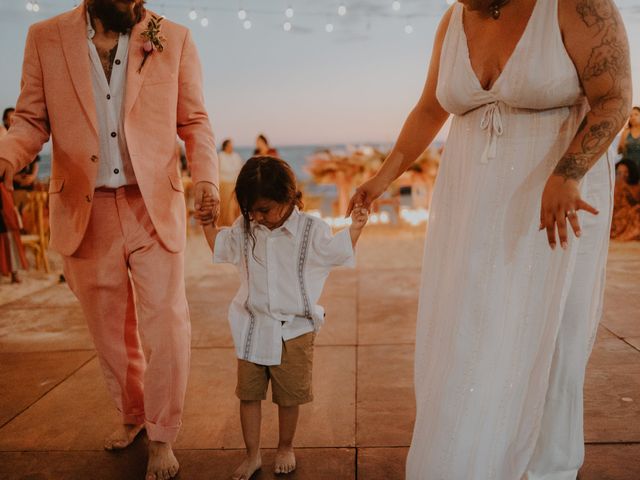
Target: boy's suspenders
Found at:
302, 260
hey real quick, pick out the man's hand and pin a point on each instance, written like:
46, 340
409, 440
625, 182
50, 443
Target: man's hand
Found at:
206, 212
7, 173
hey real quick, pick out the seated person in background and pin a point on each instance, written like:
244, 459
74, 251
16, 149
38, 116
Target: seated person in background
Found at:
625, 225
24, 181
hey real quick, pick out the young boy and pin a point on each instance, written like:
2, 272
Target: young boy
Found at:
284, 257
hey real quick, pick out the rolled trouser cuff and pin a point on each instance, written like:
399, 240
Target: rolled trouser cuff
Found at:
161, 433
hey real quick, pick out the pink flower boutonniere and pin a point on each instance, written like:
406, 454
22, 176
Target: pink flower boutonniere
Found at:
153, 39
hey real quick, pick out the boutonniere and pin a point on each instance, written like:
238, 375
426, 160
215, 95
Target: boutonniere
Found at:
152, 39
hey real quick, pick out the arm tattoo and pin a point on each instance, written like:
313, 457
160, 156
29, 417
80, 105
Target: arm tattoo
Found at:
573, 166
608, 63
107, 58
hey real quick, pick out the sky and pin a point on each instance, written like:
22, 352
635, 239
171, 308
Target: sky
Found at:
355, 84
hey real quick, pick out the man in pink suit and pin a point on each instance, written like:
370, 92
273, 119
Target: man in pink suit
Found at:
113, 84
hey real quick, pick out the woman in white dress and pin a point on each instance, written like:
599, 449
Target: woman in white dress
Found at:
510, 298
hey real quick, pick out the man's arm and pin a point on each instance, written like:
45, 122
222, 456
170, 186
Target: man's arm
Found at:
30, 129
194, 127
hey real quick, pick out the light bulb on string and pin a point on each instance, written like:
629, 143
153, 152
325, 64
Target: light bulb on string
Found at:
36, 7
242, 14
289, 12
29, 7
396, 5
247, 24
204, 22
342, 10
328, 27
287, 26
193, 15
408, 29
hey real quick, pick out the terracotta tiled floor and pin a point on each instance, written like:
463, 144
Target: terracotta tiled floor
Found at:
54, 409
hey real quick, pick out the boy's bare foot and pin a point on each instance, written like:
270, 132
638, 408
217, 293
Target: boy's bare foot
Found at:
122, 437
162, 464
247, 468
285, 460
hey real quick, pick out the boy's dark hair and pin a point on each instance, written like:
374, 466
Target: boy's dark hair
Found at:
269, 178
225, 143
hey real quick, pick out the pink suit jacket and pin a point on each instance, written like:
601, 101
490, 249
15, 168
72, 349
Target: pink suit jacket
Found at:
163, 100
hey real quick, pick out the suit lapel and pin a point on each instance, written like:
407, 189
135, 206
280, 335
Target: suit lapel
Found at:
73, 32
135, 78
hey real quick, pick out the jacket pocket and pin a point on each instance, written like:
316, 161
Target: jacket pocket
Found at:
55, 185
176, 183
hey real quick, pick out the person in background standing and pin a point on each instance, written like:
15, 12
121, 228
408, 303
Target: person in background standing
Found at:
12, 256
230, 165
264, 149
629, 145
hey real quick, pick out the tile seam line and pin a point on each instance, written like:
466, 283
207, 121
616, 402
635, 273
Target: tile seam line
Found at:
47, 392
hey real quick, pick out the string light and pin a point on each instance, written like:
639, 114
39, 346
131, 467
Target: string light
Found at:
242, 14
29, 7
408, 29
287, 26
247, 24
288, 12
193, 15
342, 10
328, 27
396, 5
204, 22
36, 7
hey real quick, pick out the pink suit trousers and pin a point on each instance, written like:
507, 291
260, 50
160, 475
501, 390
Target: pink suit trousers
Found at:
132, 292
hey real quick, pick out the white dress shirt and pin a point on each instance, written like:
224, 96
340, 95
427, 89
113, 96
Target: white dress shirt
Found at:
114, 168
281, 281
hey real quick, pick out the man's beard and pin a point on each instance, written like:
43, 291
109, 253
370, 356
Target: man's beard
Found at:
112, 18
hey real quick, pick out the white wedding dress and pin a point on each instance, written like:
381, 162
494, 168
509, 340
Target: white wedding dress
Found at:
505, 324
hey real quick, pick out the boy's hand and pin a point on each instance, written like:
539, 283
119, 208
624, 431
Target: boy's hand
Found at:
204, 215
359, 217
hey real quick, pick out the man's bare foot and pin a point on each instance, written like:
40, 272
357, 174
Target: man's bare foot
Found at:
285, 460
122, 437
247, 468
162, 464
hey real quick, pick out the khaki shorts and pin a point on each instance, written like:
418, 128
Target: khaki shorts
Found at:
290, 381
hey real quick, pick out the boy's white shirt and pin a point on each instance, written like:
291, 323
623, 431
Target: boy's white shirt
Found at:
288, 264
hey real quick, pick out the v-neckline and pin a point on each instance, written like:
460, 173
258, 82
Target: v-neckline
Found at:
511, 55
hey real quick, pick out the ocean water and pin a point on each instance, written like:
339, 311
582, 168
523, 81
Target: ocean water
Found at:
296, 156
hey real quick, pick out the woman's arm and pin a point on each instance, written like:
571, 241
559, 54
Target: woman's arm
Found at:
596, 41
419, 129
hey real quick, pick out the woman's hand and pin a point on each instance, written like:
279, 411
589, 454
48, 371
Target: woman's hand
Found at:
561, 201
367, 193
